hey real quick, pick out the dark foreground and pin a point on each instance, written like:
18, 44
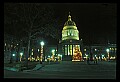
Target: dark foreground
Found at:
69, 70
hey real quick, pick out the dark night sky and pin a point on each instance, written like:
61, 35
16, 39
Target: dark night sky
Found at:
96, 22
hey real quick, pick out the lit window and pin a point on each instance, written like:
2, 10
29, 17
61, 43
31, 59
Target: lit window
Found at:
32, 53
5, 44
38, 50
41, 50
112, 48
68, 33
95, 49
32, 49
65, 49
11, 45
68, 50
72, 34
65, 33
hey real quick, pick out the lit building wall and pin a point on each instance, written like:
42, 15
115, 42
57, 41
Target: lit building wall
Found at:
100, 51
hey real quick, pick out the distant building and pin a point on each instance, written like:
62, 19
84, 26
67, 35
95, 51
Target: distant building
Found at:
101, 51
12, 48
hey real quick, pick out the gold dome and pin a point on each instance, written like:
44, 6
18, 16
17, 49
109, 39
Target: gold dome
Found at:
70, 30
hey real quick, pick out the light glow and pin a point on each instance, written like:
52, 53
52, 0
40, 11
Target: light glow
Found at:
107, 50
13, 54
38, 50
42, 43
32, 53
5, 44
53, 51
95, 49
84, 49
21, 54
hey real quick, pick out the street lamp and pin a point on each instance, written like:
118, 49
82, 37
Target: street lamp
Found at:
41, 56
21, 56
13, 54
12, 58
53, 53
42, 43
108, 53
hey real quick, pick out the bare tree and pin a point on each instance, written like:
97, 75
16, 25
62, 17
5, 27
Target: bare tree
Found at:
32, 18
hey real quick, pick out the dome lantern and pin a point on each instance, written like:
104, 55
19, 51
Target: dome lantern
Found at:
69, 22
69, 17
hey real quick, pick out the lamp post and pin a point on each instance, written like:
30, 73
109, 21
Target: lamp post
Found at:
41, 56
53, 53
12, 59
21, 56
108, 55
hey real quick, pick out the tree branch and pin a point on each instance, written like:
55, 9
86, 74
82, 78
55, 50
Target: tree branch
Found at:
37, 29
35, 34
36, 26
36, 14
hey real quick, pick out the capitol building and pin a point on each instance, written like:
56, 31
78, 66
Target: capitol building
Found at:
72, 48
70, 45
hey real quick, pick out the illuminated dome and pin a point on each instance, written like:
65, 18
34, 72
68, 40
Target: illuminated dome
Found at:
70, 30
69, 22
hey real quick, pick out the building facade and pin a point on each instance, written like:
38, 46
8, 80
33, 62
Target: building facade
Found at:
70, 46
101, 51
